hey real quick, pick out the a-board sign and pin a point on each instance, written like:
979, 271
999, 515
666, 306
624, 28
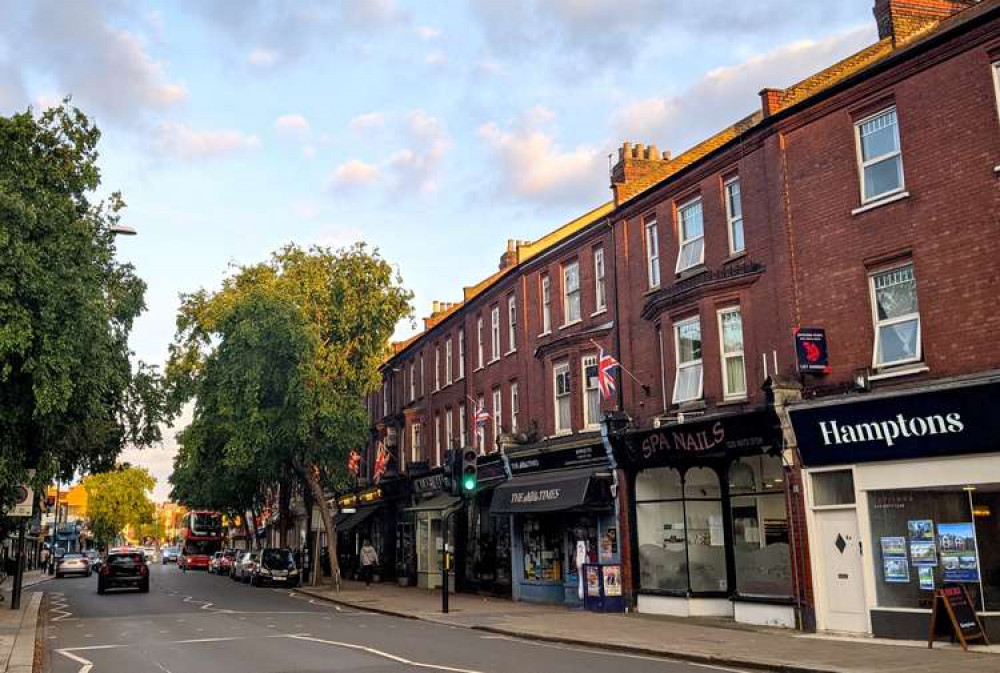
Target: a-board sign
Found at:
954, 614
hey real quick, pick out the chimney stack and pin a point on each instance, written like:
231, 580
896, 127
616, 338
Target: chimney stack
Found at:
639, 167
904, 19
509, 257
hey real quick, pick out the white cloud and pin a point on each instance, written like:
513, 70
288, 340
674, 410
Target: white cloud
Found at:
307, 211
724, 95
309, 152
353, 173
428, 33
184, 142
436, 59
416, 168
533, 167
293, 123
107, 69
367, 121
262, 57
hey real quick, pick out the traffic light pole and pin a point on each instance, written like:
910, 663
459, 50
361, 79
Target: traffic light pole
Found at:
445, 517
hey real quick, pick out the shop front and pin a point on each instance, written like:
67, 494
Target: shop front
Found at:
484, 552
423, 520
369, 514
561, 511
709, 515
903, 494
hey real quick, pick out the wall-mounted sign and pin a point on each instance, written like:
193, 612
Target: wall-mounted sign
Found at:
811, 350
577, 456
941, 422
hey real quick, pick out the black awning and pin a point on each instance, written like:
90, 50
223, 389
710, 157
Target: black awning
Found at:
547, 492
358, 517
437, 503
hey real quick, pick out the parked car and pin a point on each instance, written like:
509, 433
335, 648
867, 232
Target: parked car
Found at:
213, 565
95, 559
243, 567
73, 563
150, 553
276, 566
226, 562
169, 555
124, 569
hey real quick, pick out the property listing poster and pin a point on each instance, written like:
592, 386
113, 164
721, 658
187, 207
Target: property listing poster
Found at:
959, 560
895, 567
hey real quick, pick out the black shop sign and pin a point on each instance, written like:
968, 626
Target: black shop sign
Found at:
724, 436
944, 422
577, 456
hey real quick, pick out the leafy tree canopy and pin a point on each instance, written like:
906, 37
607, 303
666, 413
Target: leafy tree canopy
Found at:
117, 499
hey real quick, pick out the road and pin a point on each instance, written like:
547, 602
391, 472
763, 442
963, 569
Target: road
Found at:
200, 623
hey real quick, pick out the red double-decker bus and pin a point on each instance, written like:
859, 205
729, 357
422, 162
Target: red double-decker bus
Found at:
202, 538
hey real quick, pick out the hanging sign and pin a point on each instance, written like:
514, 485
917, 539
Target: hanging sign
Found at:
810, 348
955, 615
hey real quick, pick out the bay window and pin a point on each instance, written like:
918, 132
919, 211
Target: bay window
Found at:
734, 377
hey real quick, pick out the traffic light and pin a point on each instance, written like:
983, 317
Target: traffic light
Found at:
470, 470
452, 471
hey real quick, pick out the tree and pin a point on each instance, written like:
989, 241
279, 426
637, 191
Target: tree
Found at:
117, 499
70, 397
284, 354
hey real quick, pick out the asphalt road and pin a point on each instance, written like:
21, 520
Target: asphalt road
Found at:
200, 623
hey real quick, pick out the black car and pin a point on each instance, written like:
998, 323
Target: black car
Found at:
124, 569
276, 566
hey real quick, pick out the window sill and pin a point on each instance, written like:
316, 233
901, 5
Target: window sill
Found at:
599, 312
546, 333
570, 324
562, 433
996, 169
733, 256
882, 201
477, 369
510, 352
691, 271
905, 370
493, 361
732, 401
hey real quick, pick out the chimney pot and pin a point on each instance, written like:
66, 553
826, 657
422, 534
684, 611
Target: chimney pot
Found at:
653, 153
666, 155
639, 151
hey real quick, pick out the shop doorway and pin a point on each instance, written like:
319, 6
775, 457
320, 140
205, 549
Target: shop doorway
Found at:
840, 553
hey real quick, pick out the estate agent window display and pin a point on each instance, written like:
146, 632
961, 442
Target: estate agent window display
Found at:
697, 537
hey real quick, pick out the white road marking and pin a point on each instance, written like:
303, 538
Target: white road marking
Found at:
85, 665
385, 655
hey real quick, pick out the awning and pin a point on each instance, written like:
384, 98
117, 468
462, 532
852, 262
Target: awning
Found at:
354, 519
546, 492
438, 502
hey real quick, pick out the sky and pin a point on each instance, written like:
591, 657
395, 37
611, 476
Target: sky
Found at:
433, 130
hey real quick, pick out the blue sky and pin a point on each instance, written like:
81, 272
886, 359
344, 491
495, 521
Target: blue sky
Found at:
433, 130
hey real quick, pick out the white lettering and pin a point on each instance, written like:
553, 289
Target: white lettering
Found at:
889, 430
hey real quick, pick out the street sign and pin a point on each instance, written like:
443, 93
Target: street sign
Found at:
24, 499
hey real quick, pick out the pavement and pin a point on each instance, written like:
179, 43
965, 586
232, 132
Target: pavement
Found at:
195, 622
19, 628
702, 641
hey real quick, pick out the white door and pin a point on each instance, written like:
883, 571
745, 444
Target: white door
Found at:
839, 556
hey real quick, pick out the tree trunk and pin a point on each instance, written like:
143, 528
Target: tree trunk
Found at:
246, 530
311, 481
284, 510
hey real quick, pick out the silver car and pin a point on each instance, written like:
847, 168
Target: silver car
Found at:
243, 566
73, 563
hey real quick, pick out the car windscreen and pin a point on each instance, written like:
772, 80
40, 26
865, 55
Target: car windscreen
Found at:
72, 555
125, 560
277, 559
205, 547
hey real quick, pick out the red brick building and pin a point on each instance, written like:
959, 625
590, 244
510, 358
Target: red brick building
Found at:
859, 205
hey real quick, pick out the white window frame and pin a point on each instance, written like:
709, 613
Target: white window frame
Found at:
385, 399
416, 441
683, 242
996, 84
724, 356
437, 439
878, 324
663, 366
600, 288
863, 164
437, 368
545, 287
515, 406
732, 220
562, 368
461, 354
495, 333
651, 236
686, 365
449, 428
497, 416
480, 430
588, 422
511, 323
447, 362
573, 295
422, 374
479, 341
462, 426
413, 381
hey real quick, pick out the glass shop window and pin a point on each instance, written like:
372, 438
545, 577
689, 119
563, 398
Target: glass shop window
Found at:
543, 549
923, 538
660, 526
580, 529
760, 527
705, 530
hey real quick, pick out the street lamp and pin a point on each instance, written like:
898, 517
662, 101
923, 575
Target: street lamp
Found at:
123, 230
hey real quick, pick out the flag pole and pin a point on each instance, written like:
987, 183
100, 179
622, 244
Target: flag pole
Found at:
622, 366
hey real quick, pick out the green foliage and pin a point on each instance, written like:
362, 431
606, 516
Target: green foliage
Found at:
117, 499
69, 398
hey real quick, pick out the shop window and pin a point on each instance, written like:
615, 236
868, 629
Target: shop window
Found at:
835, 487
760, 527
580, 529
543, 549
923, 538
897, 318
705, 532
661, 531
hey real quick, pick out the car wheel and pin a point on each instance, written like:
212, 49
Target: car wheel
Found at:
100, 587
144, 587
59, 576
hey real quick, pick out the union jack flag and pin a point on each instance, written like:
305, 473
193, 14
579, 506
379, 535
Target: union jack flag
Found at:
382, 459
354, 462
605, 381
480, 415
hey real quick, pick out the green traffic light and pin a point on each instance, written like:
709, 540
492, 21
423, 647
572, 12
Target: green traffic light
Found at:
469, 482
